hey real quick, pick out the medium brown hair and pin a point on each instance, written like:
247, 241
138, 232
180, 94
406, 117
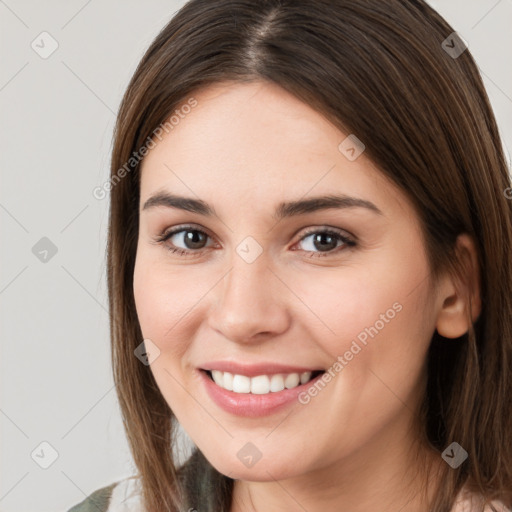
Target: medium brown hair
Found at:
377, 70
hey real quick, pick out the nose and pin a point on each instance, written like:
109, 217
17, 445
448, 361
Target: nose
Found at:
249, 303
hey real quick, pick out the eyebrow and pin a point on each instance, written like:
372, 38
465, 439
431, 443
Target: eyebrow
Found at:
283, 210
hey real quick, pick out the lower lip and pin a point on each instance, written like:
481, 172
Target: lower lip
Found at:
252, 405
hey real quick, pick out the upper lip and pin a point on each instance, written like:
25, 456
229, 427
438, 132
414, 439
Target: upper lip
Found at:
253, 370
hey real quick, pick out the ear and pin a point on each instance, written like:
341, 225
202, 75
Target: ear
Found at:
459, 297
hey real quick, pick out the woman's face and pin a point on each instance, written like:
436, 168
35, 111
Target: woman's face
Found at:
265, 290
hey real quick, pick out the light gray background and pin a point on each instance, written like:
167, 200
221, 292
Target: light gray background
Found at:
57, 119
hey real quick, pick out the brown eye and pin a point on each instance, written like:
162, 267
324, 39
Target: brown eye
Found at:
325, 241
194, 239
189, 238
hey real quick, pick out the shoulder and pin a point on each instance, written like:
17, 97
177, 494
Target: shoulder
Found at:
472, 502
123, 495
97, 501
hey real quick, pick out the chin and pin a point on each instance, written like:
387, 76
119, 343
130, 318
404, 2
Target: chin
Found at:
264, 470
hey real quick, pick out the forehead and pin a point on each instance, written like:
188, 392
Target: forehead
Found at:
255, 142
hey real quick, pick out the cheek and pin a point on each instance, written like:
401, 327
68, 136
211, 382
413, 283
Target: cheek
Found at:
377, 338
167, 301
377, 315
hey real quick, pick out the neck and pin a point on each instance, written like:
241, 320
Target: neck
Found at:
387, 474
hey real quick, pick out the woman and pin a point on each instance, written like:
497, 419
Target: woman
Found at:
309, 265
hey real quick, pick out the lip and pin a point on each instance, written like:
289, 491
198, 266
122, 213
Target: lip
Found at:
253, 370
251, 405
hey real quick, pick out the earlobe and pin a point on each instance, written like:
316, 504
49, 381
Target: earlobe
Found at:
460, 297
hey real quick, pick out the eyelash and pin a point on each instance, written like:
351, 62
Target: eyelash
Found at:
162, 238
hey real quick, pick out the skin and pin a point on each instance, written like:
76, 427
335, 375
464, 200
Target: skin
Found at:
243, 149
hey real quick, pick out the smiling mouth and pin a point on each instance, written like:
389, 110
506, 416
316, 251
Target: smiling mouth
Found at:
260, 384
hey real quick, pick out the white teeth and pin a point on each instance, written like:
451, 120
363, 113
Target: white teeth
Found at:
276, 383
228, 381
305, 377
260, 385
241, 384
292, 380
218, 377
